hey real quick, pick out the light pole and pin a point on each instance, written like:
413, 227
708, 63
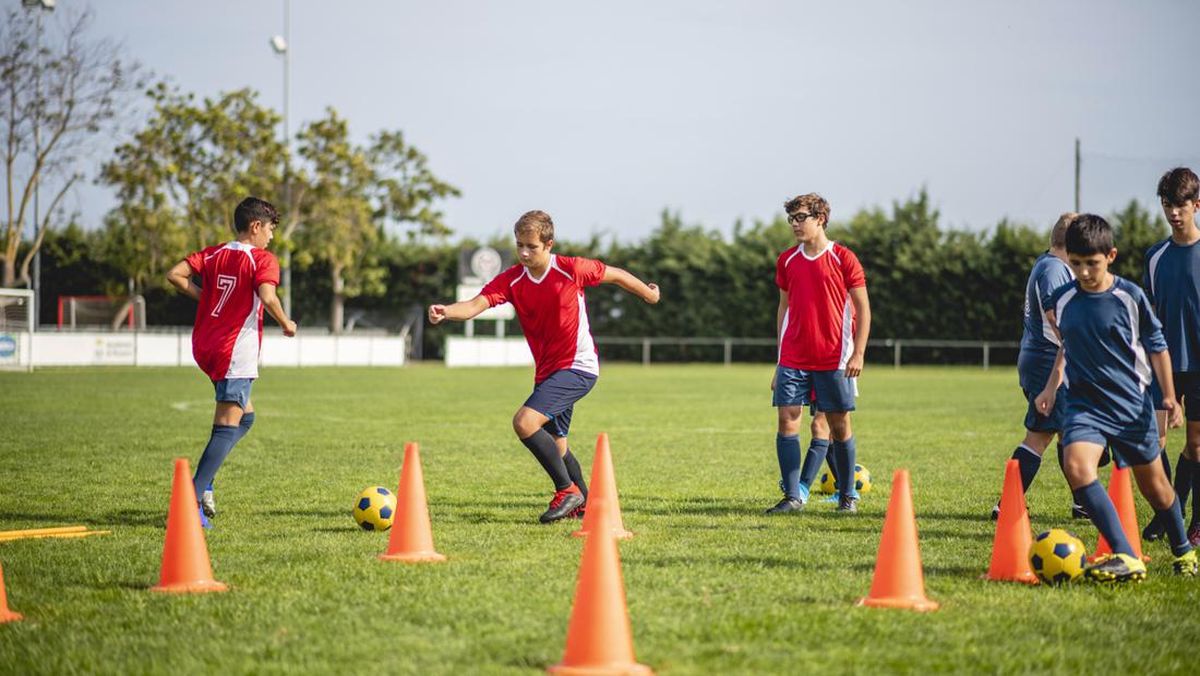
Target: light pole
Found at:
279, 43
37, 6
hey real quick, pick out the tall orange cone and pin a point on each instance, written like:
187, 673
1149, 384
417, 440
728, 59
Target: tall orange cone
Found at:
6, 615
603, 492
1014, 536
1120, 491
185, 565
899, 581
599, 638
411, 539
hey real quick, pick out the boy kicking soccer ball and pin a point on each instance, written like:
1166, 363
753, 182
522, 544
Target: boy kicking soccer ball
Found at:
547, 292
1110, 341
238, 280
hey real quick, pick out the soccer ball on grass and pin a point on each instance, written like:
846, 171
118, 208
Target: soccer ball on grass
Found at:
1057, 556
862, 480
374, 508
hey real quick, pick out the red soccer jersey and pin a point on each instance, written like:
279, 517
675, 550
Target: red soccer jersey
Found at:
552, 312
818, 326
228, 330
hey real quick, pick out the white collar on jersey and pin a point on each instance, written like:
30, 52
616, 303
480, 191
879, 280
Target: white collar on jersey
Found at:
553, 265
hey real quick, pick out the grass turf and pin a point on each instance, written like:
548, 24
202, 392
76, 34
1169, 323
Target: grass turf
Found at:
712, 586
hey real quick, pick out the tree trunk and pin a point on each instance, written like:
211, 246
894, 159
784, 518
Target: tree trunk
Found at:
10, 273
337, 307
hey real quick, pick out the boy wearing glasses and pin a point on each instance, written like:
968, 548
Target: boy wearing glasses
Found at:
823, 322
237, 280
547, 292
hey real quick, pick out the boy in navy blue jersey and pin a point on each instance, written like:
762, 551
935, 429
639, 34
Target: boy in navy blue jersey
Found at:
1111, 341
1172, 284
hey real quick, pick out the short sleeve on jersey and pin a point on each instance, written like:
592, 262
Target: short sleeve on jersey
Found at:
266, 268
1149, 328
585, 271
852, 270
781, 279
496, 291
195, 261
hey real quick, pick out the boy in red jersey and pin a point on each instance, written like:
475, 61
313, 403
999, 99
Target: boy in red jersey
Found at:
237, 280
547, 292
823, 322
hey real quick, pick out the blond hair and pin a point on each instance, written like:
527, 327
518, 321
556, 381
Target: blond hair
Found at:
1058, 234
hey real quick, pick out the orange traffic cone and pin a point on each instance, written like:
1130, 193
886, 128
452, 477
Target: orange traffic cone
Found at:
185, 565
411, 540
603, 492
899, 581
1120, 491
599, 638
6, 615
1014, 536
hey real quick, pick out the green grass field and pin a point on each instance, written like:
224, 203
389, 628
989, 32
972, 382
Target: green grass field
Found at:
712, 586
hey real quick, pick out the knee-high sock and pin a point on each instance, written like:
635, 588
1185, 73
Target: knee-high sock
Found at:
243, 429
1029, 462
220, 443
575, 472
542, 446
844, 453
787, 451
1103, 513
1172, 518
818, 452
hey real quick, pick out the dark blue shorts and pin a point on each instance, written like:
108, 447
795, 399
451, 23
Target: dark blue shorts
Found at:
234, 390
555, 398
1036, 422
1187, 388
1134, 443
1033, 372
795, 387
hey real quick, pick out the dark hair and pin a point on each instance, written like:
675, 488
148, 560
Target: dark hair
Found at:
1089, 234
536, 222
253, 209
1179, 186
816, 205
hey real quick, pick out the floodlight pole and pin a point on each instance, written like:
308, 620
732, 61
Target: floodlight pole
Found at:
1077, 174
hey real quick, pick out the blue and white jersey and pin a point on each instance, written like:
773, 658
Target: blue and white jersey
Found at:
1172, 283
1049, 273
1107, 338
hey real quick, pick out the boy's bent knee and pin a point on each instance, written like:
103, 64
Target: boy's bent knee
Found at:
526, 422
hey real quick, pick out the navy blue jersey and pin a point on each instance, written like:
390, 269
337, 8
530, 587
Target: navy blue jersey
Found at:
1106, 337
1172, 283
1049, 273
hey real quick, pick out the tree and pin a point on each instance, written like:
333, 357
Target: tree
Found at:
1134, 230
181, 175
58, 92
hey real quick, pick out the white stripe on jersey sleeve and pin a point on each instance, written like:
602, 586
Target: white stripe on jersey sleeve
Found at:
1047, 330
1153, 264
1141, 364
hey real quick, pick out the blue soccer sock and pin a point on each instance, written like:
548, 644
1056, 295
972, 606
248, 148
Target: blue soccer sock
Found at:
1103, 514
818, 451
220, 443
1172, 519
844, 454
1029, 462
787, 450
243, 429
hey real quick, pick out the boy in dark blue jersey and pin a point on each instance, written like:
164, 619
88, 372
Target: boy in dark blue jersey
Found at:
1172, 283
1039, 348
1111, 341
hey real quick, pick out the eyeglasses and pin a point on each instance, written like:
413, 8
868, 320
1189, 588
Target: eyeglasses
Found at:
798, 217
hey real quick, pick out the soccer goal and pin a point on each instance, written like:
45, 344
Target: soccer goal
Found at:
111, 313
16, 329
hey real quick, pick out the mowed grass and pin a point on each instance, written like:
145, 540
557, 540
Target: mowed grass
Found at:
712, 585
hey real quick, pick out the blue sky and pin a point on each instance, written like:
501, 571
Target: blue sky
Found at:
603, 114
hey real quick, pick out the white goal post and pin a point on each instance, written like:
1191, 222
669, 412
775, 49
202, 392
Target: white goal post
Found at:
16, 329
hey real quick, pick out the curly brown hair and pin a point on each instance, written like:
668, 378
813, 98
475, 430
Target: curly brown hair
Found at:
811, 203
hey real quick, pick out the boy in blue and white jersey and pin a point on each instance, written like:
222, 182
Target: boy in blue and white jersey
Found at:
1172, 284
1039, 347
1111, 341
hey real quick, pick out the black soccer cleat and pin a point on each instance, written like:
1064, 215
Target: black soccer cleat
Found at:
1116, 568
1154, 530
564, 503
785, 506
996, 512
847, 504
1078, 512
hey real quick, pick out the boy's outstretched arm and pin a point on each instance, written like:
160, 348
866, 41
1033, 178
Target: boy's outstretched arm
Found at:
266, 293
647, 292
180, 277
460, 311
862, 330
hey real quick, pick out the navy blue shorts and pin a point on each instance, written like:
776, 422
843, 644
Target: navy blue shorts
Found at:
795, 387
1135, 443
1033, 372
555, 398
234, 390
1187, 388
1036, 422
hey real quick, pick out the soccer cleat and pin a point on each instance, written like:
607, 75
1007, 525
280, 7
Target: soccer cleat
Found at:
563, 504
1185, 565
1116, 568
1078, 512
204, 522
996, 512
786, 505
1194, 534
579, 512
848, 504
208, 503
1154, 530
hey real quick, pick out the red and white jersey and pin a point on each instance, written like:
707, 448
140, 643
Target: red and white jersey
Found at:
228, 330
552, 312
818, 326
